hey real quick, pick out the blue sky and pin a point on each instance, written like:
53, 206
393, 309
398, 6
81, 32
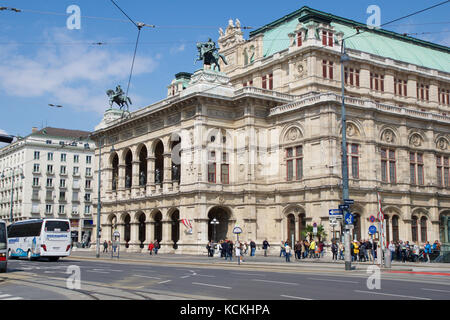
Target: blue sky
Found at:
43, 62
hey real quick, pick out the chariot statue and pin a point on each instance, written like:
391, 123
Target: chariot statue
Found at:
208, 53
118, 97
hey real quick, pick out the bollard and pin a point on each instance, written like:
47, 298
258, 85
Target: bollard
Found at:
387, 258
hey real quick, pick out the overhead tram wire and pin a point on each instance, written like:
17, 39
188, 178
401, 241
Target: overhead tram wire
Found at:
401, 18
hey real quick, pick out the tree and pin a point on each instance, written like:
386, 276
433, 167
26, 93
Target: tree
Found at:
309, 232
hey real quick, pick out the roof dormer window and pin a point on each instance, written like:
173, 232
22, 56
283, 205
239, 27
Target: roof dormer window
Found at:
327, 38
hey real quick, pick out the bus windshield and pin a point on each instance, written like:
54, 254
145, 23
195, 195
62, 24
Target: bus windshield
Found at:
2, 236
57, 226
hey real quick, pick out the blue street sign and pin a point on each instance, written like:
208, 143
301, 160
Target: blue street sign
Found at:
372, 229
349, 201
237, 230
349, 218
343, 206
335, 212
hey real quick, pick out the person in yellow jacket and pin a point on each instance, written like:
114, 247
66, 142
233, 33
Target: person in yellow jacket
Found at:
356, 249
312, 249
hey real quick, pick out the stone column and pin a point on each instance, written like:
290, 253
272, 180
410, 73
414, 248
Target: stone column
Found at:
150, 175
149, 232
121, 178
135, 178
134, 237
166, 241
167, 182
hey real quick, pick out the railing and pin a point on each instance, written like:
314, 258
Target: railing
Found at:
327, 97
266, 92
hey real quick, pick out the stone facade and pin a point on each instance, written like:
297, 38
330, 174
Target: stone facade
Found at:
259, 146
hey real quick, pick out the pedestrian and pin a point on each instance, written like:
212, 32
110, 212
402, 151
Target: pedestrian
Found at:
225, 248
341, 251
151, 246
230, 250
252, 248
391, 248
305, 249
219, 249
298, 250
362, 252
287, 250
334, 250
415, 252
238, 251
266, 246
403, 251
312, 249
282, 249
105, 247
355, 250
156, 246
427, 250
321, 249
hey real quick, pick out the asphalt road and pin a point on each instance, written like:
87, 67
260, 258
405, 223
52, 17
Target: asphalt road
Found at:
100, 280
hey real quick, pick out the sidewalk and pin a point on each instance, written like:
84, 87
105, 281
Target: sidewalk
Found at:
258, 260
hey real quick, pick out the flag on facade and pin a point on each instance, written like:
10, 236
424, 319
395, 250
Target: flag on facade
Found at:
188, 224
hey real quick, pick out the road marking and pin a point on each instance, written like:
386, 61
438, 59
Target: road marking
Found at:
210, 285
137, 275
164, 281
248, 274
205, 275
97, 271
13, 298
277, 282
333, 280
436, 290
392, 295
292, 297
184, 277
5, 296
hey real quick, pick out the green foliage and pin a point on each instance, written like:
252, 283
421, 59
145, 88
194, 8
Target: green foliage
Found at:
309, 232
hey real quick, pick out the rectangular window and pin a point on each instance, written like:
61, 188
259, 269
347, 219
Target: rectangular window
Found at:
327, 38
299, 39
76, 158
48, 209
377, 82
88, 184
327, 69
75, 170
351, 76
36, 155
88, 159
87, 209
212, 172
400, 87
87, 197
63, 170
423, 92
416, 168
353, 159
264, 84
294, 163
439, 171
388, 172
49, 182
63, 157
62, 183
49, 168
444, 95
271, 81
88, 172
443, 169
35, 182
225, 174
50, 156
61, 209
36, 168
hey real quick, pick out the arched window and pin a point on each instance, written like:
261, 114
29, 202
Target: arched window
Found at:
142, 230
128, 169
414, 228
386, 222
127, 230
159, 163
291, 229
175, 228
444, 227
143, 167
115, 172
395, 235
423, 229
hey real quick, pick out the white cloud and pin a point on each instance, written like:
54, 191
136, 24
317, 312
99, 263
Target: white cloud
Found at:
75, 76
178, 49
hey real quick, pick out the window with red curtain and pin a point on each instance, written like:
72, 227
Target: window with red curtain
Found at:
444, 95
443, 168
327, 38
416, 168
388, 173
299, 39
264, 84
377, 82
400, 87
327, 69
423, 92
353, 159
271, 81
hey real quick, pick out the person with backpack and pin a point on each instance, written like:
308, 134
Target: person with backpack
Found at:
156, 246
288, 252
105, 247
282, 249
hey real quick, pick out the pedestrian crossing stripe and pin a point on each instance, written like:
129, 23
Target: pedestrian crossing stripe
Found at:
9, 297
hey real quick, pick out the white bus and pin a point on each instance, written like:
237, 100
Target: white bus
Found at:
39, 238
3, 246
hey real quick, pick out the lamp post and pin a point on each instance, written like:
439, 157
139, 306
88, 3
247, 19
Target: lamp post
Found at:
345, 192
12, 189
214, 222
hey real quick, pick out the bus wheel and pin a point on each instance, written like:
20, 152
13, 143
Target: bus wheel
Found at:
54, 259
3, 270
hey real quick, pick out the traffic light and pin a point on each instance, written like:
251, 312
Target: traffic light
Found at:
5, 138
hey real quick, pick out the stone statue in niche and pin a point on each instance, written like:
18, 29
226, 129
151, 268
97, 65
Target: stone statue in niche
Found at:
157, 176
388, 136
416, 140
442, 144
142, 179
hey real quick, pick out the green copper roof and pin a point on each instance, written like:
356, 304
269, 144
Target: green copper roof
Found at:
378, 42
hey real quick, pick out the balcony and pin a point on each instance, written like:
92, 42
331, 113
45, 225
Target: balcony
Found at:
50, 173
75, 213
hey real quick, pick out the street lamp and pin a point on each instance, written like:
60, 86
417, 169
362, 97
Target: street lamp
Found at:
214, 222
12, 188
345, 192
